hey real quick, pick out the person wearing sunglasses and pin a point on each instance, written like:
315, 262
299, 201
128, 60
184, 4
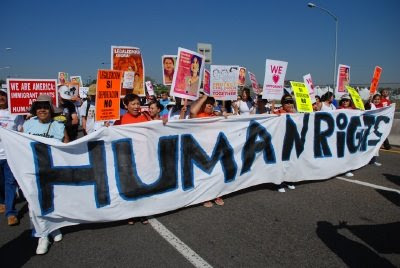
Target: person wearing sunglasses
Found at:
287, 107
43, 125
345, 102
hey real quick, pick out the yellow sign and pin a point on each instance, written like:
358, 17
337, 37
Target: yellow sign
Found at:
358, 102
303, 101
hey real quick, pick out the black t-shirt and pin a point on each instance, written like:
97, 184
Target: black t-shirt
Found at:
69, 109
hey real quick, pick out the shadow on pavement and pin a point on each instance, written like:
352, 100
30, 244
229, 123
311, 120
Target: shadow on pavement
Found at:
353, 253
18, 251
392, 178
391, 196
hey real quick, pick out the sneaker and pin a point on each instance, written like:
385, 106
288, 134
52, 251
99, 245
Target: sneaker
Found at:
43, 246
349, 174
378, 164
2, 208
12, 220
291, 186
57, 235
281, 190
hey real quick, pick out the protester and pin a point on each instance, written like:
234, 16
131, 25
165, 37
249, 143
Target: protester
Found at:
317, 104
246, 105
345, 102
134, 113
385, 102
154, 110
204, 107
327, 100
261, 106
88, 110
43, 125
8, 184
287, 103
375, 103
69, 111
164, 102
178, 111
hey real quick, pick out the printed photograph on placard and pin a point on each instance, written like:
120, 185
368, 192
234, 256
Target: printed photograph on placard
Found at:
206, 82
343, 80
168, 66
224, 81
129, 59
76, 79
188, 74
62, 78
242, 76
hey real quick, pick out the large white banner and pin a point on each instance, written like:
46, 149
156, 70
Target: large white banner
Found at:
144, 169
274, 79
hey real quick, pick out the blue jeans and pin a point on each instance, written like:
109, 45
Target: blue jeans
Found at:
8, 188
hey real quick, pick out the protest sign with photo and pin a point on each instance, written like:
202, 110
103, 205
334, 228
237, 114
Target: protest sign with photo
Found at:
375, 80
76, 79
188, 74
274, 79
124, 58
343, 80
254, 83
242, 77
144, 169
224, 81
303, 101
129, 77
206, 82
168, 67
108, 95
23, 92
83, 92
150, 89
357, 100
63, 78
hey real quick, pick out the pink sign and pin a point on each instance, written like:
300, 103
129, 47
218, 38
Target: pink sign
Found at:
274, 79
206, 82
187, 75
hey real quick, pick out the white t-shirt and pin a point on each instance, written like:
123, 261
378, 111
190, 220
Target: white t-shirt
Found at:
91, 125
244, 108
9, 121
324, 107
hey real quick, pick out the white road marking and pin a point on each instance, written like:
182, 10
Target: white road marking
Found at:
370, 185
181, 247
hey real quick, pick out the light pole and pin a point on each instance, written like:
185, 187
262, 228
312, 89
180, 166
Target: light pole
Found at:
311, 5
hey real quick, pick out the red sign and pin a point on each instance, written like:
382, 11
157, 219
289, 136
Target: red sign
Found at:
23, 92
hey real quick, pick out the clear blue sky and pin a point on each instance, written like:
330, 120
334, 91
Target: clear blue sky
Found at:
76, 36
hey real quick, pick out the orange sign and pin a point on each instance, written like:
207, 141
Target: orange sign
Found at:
107, 95
375, 80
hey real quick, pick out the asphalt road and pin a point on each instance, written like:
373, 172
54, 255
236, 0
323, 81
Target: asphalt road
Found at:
330, 223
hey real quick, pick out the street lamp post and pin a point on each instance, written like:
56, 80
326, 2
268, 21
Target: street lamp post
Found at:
311, 5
